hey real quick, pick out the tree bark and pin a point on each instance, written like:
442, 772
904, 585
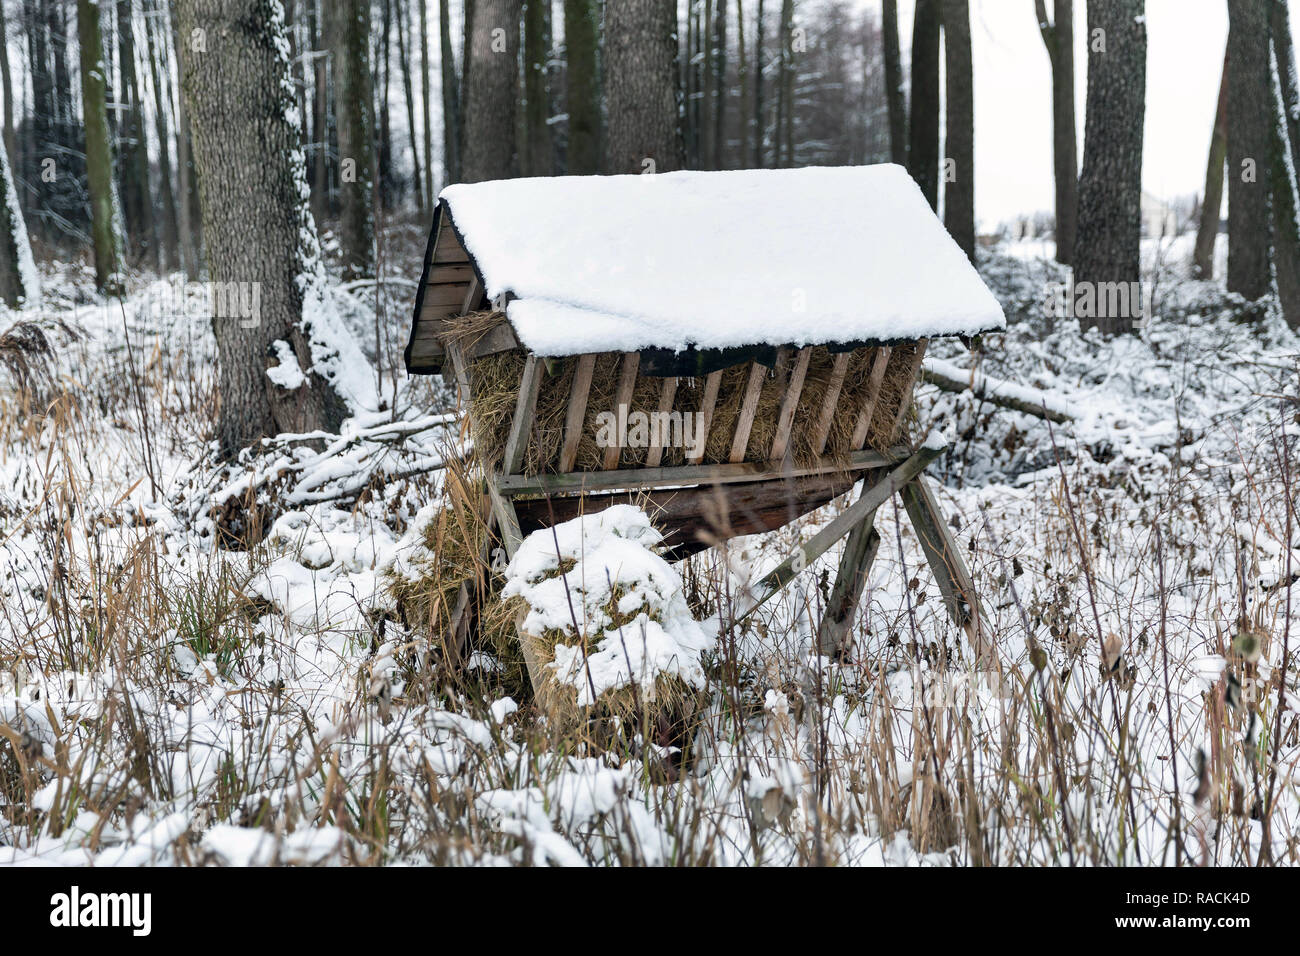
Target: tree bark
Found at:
451, 132
539, 145
352, 104
425, 72
7, 81
133, 166
16, 268
1212, 197
640, 59
168, 251
1285, 197
719, 83
259, 226
1058, 37
742, 77
491, 90
582, 93
1108, 248
1249, 132
923, 138
895, 103
99, 149
760, 132
404, 60
1284, 57
787, 81
959, 183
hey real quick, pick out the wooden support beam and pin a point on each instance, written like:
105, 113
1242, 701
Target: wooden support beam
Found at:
622, 396
577, 410
707, 404
748, 408
875, 379
521, 426
637, 478
507, 518
872, 498
655, 453
905, 400
790, 405
943, 555
855, 564
830, 402
472, 294
461, 372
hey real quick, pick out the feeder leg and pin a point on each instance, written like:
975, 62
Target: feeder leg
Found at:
507, 521
944, 557
859, 553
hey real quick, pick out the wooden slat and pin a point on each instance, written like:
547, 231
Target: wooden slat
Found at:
850, 578
745, 422
499, 338
905, 401
635, 478
472, 295
441, 273
667, 393
623, 396
707, 405
450, 294
448, 247
426, 352
868, 411
461, 373
790, 405
577, 411
830, 402
521, 426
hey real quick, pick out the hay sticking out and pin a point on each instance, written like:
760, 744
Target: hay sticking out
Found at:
494, 384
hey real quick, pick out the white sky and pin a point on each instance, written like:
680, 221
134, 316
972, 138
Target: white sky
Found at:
1013, 116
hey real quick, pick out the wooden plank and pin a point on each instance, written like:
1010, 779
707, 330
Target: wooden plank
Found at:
521, 426
472, 296
943, 554
790, 405
667, 393
695, 518
503, 509
830, 402
448, 247
707, 404
871, 499
635, 478
855, 564
444, 294
500, 338
442, 273
426, 352
868, 411
622, 396
745, 422
905, 401
577, 411
461, 372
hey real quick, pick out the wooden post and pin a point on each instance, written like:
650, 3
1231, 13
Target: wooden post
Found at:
855, 563
626, 384
577, 411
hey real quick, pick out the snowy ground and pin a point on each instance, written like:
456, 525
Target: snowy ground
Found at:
166, 700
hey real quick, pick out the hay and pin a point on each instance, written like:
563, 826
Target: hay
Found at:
494, 383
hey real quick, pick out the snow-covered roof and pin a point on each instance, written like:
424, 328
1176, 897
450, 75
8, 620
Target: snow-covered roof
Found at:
718, 259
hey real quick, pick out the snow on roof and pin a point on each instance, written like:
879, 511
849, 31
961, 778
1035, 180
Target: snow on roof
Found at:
719, 259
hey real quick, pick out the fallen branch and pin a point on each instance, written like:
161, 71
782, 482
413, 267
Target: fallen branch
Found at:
1031, 401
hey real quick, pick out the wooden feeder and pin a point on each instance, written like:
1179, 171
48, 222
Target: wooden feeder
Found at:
783, 313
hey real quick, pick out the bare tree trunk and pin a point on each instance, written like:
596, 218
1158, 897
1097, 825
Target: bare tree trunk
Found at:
787, 79
404, 59
321, 44
1284, 56
259, 225
1285, 197
582, 93
959, 178
923, 139
384, 157
425, 72
169, 251
191, 220
894, 100
1212, 197
7, 82
451, 126
352, 103
742, 77
539, 146
1110, 190
1249, 132
133, 166
720, 84
640, 59
491, 90
1058, 37
17, 271
760, 131
99, 150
